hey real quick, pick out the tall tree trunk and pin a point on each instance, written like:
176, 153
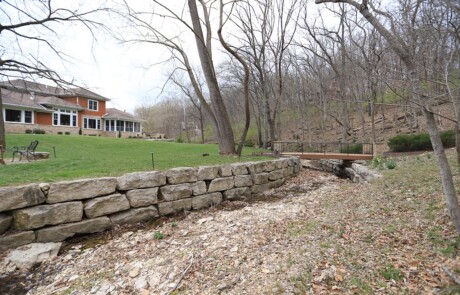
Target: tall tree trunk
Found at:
2, 123
226, 140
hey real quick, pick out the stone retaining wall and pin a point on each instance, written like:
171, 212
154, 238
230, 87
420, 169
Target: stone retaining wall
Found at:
53, 212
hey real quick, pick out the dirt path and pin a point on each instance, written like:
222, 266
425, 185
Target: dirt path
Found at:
318, 234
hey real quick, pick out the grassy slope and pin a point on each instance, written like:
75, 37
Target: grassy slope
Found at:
82, 156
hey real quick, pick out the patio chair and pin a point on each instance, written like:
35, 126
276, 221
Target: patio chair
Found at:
29, 151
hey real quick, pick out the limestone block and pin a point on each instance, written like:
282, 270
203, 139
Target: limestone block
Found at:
296, 169
225, 171
142, 197
276, 174
243, 180
291, 162
45, 187
236, 193
20, 197
16, 240
198, 188
5, 222
137, 180
289, 171
276, 183
106, 205
239, 169
174, 207
364, 172
259, 167
181, 175
135, 215
279, 164
176, 192
64, 231
260, 188
204, 201
261, 178
208, 172
41, 215
27, 256
81, 189
221, 184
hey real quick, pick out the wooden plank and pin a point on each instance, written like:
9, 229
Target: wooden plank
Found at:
337, 156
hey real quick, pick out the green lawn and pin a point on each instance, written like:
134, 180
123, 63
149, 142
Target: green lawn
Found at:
87, 156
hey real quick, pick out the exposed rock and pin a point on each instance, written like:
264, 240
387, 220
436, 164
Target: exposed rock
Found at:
33, 254
39, 216
16, 240
106, 205
261, 178
176, 192
225, 171
141, 283
5, 222
181, 175
173, 207
239, 169
243, 180
221, 184
81, 189
236, 193
20, 197
142, 197
137, 180
204, 201
198, 188
208, 172
364, 172
62, 232
134, 272
134, 215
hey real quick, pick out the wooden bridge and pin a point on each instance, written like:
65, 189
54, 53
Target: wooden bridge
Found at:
332, 150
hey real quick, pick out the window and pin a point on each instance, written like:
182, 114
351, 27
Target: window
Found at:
28, 117
13, 116
93, 105
91, 123
18, 116
63, 117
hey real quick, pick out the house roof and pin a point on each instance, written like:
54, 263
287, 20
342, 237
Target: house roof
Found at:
54, 101
46, 90
18, 99
117, 114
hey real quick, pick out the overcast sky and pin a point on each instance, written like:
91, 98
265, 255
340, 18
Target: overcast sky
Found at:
128, 74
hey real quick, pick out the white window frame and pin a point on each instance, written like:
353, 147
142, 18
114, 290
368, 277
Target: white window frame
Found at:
23, 116
95, 102
86, 123
57, 117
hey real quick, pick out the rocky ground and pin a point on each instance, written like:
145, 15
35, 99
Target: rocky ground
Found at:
318, 234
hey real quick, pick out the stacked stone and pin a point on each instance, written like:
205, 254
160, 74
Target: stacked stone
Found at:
55, 212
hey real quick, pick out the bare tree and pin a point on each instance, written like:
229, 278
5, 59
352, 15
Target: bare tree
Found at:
36, 22
400, 45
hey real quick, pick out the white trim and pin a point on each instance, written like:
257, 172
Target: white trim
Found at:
23, 115
98, 123
94, 101
73, 117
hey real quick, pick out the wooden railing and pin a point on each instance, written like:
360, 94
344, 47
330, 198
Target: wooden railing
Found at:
325, 150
